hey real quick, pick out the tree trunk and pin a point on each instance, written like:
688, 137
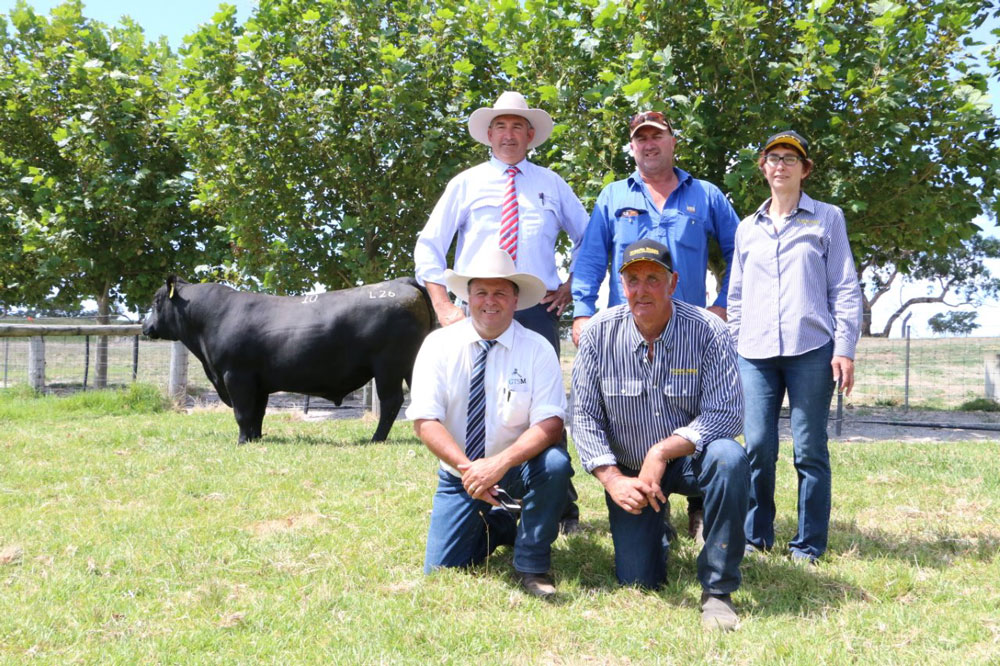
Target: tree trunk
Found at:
101, 359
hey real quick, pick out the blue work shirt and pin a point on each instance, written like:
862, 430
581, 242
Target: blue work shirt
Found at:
624, 213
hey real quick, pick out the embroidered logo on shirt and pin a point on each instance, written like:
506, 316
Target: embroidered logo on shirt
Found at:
690, 209
516, 379
629, 212
808, 222
684, 371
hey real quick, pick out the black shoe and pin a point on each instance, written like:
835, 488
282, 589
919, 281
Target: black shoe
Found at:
569, 526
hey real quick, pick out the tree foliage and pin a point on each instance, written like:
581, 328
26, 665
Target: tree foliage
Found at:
94, 190
321, 134
955, 323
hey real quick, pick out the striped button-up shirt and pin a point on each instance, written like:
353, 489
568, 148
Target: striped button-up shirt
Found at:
624, 403
793, 288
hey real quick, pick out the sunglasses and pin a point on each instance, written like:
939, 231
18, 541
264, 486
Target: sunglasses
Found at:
506, 501
650, 116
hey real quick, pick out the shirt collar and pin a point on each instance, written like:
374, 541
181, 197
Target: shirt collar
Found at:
806, 203
636, 183
502, 166
470, 336
635, 337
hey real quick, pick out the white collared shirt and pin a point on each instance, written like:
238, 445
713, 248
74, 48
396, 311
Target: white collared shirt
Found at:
524, 384
470, 208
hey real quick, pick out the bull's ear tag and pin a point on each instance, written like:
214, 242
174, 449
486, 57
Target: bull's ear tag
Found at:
171, 294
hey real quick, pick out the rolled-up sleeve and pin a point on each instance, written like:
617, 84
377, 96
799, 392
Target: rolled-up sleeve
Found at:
548, 397
590, 419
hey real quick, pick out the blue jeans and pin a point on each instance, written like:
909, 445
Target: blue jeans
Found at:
465, 531
808, 378
721, 475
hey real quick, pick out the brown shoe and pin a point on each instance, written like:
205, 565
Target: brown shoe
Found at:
538, 585
696, 526
718, 612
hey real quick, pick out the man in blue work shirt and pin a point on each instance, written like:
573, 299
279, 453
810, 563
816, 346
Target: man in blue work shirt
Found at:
665, 204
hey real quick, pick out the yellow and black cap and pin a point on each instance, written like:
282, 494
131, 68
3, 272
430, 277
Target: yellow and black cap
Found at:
790, 138
647, 250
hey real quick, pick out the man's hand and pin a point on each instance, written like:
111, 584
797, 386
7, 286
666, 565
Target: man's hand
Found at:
479, 477
718, 312
628, 492
653, 466
448, 314
558, 299
578, 325
843, 372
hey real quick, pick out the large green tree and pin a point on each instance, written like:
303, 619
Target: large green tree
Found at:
94, 189
323, 132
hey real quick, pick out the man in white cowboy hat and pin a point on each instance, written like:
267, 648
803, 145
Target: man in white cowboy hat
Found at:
488, 400
510, 203
538, 202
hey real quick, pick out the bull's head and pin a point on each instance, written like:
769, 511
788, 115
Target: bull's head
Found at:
163, 318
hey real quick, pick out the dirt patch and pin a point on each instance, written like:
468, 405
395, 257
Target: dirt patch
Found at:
268, 527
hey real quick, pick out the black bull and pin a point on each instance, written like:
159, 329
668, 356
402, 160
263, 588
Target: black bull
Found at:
326, 345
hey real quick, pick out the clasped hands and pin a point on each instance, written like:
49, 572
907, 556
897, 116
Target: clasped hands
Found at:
480, 478
634, 493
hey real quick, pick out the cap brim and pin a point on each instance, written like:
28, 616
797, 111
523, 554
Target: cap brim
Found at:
541, 122
649, 259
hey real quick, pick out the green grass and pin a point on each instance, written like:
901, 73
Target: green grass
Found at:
145, 536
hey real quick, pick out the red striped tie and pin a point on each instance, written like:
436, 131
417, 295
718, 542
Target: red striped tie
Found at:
508, 216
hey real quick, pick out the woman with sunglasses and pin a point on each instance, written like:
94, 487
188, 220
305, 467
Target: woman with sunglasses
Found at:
795, 314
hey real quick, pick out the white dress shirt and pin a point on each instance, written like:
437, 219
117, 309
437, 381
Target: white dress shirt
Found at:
470, 208
523, 383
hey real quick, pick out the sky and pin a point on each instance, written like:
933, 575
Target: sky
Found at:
177, 18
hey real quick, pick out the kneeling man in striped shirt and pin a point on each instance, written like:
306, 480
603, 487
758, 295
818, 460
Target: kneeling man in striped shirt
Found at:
658, 403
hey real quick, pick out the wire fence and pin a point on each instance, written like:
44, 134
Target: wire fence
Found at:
921, 373
71, 364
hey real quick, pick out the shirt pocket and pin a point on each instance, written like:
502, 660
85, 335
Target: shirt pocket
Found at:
485, 210
630, 225
540, 221
619, 388
683, 390
516, 408
684, 229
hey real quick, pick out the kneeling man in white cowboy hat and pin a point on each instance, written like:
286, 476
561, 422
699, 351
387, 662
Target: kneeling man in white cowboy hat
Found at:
511, 204
488, 401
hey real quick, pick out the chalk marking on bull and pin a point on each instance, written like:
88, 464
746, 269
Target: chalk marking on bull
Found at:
309, 298
382, 293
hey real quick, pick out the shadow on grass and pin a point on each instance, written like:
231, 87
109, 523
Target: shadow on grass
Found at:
934, 548
311, 440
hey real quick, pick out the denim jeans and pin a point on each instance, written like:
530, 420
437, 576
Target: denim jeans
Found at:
465, 531
808, 378
721, 476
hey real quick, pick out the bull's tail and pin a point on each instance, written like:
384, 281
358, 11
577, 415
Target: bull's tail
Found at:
427, 300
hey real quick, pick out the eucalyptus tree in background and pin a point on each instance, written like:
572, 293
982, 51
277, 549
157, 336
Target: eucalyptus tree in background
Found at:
94, 190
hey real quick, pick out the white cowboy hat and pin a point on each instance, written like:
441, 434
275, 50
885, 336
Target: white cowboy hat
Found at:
510, 103
496, 263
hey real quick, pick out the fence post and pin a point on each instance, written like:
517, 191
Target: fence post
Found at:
36, 363
135, 358
991, 366
6, 353
86, 360
906, 386
376, 405
177, 384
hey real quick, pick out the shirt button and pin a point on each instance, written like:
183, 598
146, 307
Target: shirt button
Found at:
656, 414
623, 391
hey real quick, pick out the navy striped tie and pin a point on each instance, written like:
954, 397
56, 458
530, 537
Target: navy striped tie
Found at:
475, 431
